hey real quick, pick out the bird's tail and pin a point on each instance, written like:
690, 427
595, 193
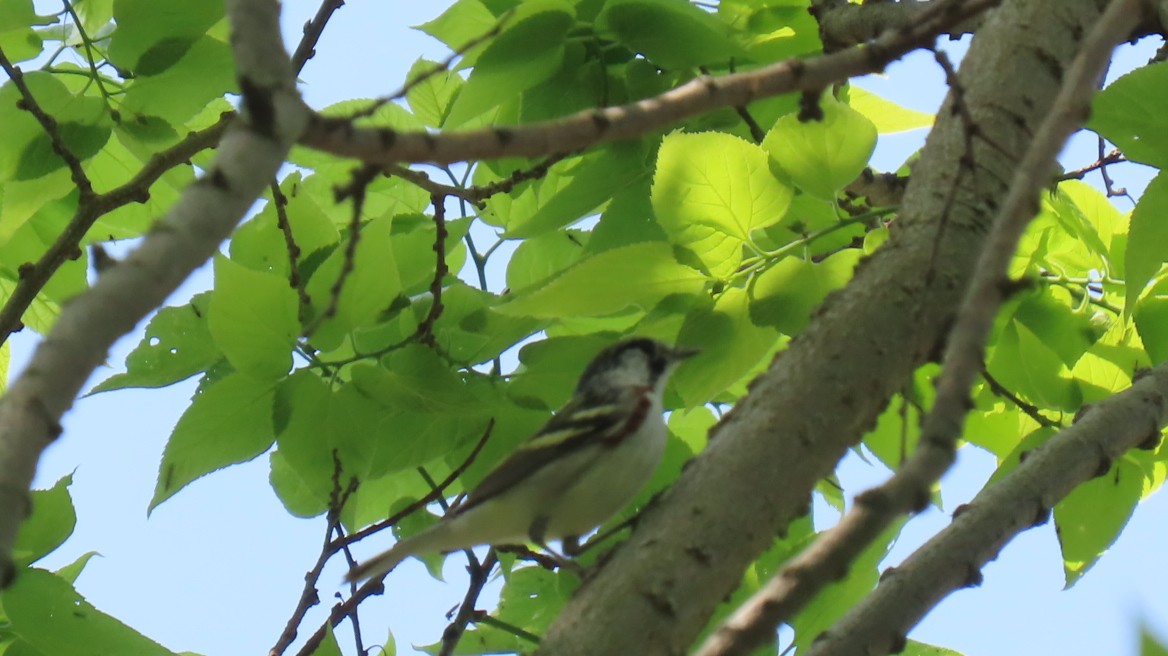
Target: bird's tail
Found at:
380, 564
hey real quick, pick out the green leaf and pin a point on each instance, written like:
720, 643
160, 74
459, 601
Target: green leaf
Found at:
48, 614
302, 466
914, 648
416, 378
1150, 646
95, 14
153, 40
253, 319
673, 34
538, 259
259, 243
822, 156
774, 30
1151, 320
551, 367
295, 490
887, 116
1110, 225
1148, 233
45, 198
31, 241
1078, 228
997, 429
400, 416
40, 316
413, 238
228, 422
112, 167
464, 21
732, 347
5, 364
73, 570
711, 191
204, 71
328, 646
17, 38
639, 275
83, 123
628, 219
1066, 332
471, 330
529, 51
1091, 517
784, 295
368, 290
50, 524
533, 597
593, 180
432, 98
176, 346
1029, 442
1025, 364
1129, 113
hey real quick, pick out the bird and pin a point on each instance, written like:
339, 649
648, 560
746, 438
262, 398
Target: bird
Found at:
585, 464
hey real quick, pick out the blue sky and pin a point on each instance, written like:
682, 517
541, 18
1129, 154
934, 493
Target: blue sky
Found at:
218, 568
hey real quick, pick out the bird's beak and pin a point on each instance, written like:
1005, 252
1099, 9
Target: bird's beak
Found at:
682, 352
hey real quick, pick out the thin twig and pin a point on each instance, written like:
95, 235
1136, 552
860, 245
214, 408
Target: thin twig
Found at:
1114, 157
1112, 191
466, 611
756, 131
313, 29
1029, 409
77, 23
425, 331
356, 189
485, 618
280, 202
309, 596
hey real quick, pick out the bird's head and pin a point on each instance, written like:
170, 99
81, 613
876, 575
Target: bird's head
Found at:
637, 362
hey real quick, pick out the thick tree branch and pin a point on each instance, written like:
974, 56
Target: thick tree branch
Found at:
844, 24
659, 589
588, 128
251, 152
1022, 499
756, 622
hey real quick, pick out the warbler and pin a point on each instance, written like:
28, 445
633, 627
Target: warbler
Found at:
579, 469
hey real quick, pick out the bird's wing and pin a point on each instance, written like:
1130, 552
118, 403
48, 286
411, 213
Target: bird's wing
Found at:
570, 429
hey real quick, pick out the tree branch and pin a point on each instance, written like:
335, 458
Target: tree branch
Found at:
385, 146
844, 24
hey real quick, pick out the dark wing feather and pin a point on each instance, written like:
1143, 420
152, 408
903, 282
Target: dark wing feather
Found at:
570, 428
